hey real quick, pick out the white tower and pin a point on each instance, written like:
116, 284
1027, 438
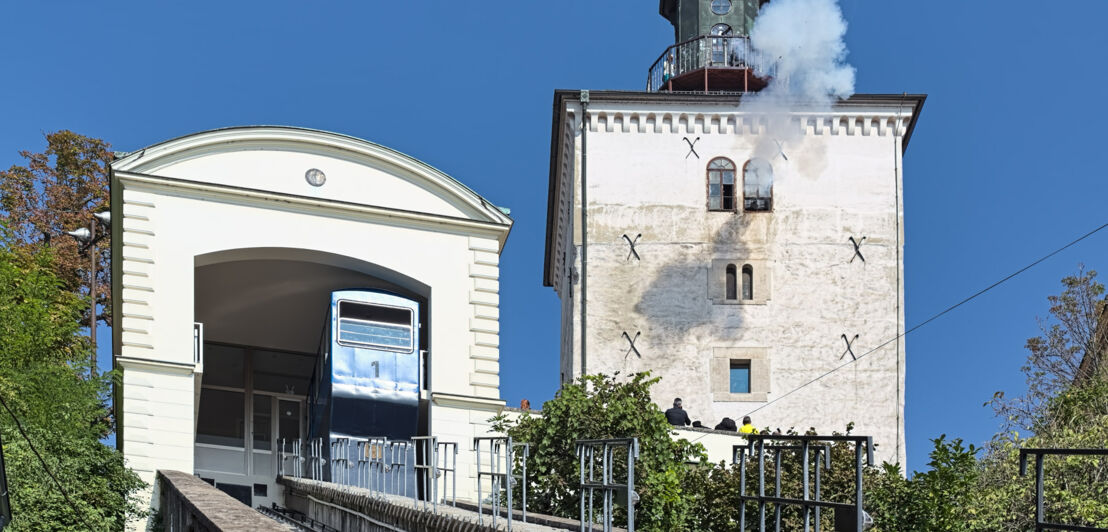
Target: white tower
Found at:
737, 278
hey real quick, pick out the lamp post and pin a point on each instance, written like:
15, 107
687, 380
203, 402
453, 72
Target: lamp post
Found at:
89, 238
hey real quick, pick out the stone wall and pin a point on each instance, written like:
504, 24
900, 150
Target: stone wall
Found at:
838, 179
190, 504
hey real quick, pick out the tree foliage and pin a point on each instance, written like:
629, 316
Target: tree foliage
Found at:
600, 407
1068, 351
964, 488
44, 378
55, 191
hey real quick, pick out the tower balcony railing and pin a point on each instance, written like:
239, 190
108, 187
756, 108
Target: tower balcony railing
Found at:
706, 53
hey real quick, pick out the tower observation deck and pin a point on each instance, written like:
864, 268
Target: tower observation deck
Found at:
712, 51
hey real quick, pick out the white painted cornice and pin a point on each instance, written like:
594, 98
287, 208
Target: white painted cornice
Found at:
150, 160
467, 401
860, 121
314, 206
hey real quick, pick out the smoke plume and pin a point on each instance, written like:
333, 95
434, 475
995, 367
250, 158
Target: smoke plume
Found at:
802, 40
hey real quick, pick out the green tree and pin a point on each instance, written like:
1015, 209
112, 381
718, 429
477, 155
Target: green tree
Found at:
55, 191
1067, 351
598, 407
1065, 406
44, 379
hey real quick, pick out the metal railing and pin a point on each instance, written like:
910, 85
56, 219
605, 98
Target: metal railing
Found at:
809, 506
1040, 511
502, 456
378, 464
705, 51
429, 471
594, 454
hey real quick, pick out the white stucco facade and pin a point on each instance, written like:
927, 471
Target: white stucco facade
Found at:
840, 177
238, 199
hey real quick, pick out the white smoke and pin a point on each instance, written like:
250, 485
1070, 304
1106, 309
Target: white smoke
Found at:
803, 41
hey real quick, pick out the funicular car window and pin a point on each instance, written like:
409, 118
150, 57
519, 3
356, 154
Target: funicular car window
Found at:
369, 325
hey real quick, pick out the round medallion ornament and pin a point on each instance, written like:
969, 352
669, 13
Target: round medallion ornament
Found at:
315, 177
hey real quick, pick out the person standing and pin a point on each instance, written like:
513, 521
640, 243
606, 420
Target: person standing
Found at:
677, 416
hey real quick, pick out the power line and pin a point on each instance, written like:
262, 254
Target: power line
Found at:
932, 318
46, 468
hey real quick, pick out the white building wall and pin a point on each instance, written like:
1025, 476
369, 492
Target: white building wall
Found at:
841, 180
251, 196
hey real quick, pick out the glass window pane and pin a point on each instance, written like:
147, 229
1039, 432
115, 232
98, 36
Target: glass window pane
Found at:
220, 420
713, 191
223, 365
280, 372
263, 422
713, 176
289, 416
740, 378
713, 202
397, 337
728, 177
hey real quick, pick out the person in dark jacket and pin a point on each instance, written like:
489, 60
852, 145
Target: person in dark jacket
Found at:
677, 416
727, 424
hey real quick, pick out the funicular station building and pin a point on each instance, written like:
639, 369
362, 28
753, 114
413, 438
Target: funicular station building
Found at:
276, 283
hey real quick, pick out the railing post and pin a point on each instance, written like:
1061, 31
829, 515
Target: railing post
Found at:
1040, 514
859, 516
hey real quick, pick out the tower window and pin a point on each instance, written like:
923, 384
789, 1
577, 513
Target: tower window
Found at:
721, 185
721, 7
757, 185
740, 376
721, 30
748, 283
731, 282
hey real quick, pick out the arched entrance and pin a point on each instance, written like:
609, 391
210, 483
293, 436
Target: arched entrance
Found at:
263, 313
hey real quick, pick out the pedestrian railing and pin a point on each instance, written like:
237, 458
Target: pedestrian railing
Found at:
848, 515
1040, 511
598, 462
407, 468
497, 459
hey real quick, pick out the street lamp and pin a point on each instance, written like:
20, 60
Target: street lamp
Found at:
88, 239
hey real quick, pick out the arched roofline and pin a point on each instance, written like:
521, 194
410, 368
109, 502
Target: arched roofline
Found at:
151, 159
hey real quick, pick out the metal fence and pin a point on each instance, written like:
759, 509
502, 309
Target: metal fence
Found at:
1040, 511
849, 516
413, 468
594, 455
502, 458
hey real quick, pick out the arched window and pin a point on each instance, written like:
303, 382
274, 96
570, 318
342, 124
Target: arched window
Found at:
748, 282
732, 290
721, 185
757, 185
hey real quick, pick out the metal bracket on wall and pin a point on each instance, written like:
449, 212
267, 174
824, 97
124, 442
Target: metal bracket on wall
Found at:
692, 147
857, 250
781, 149
632, 243
631, 341
849, 347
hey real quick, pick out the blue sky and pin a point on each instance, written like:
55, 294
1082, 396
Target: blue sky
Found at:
1003, 165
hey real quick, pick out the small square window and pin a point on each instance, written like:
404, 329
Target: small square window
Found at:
740, 376
261, 490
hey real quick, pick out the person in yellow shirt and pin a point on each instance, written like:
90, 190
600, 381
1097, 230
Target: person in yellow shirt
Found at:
747, 427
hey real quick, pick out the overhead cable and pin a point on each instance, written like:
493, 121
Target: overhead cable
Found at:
932, 318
